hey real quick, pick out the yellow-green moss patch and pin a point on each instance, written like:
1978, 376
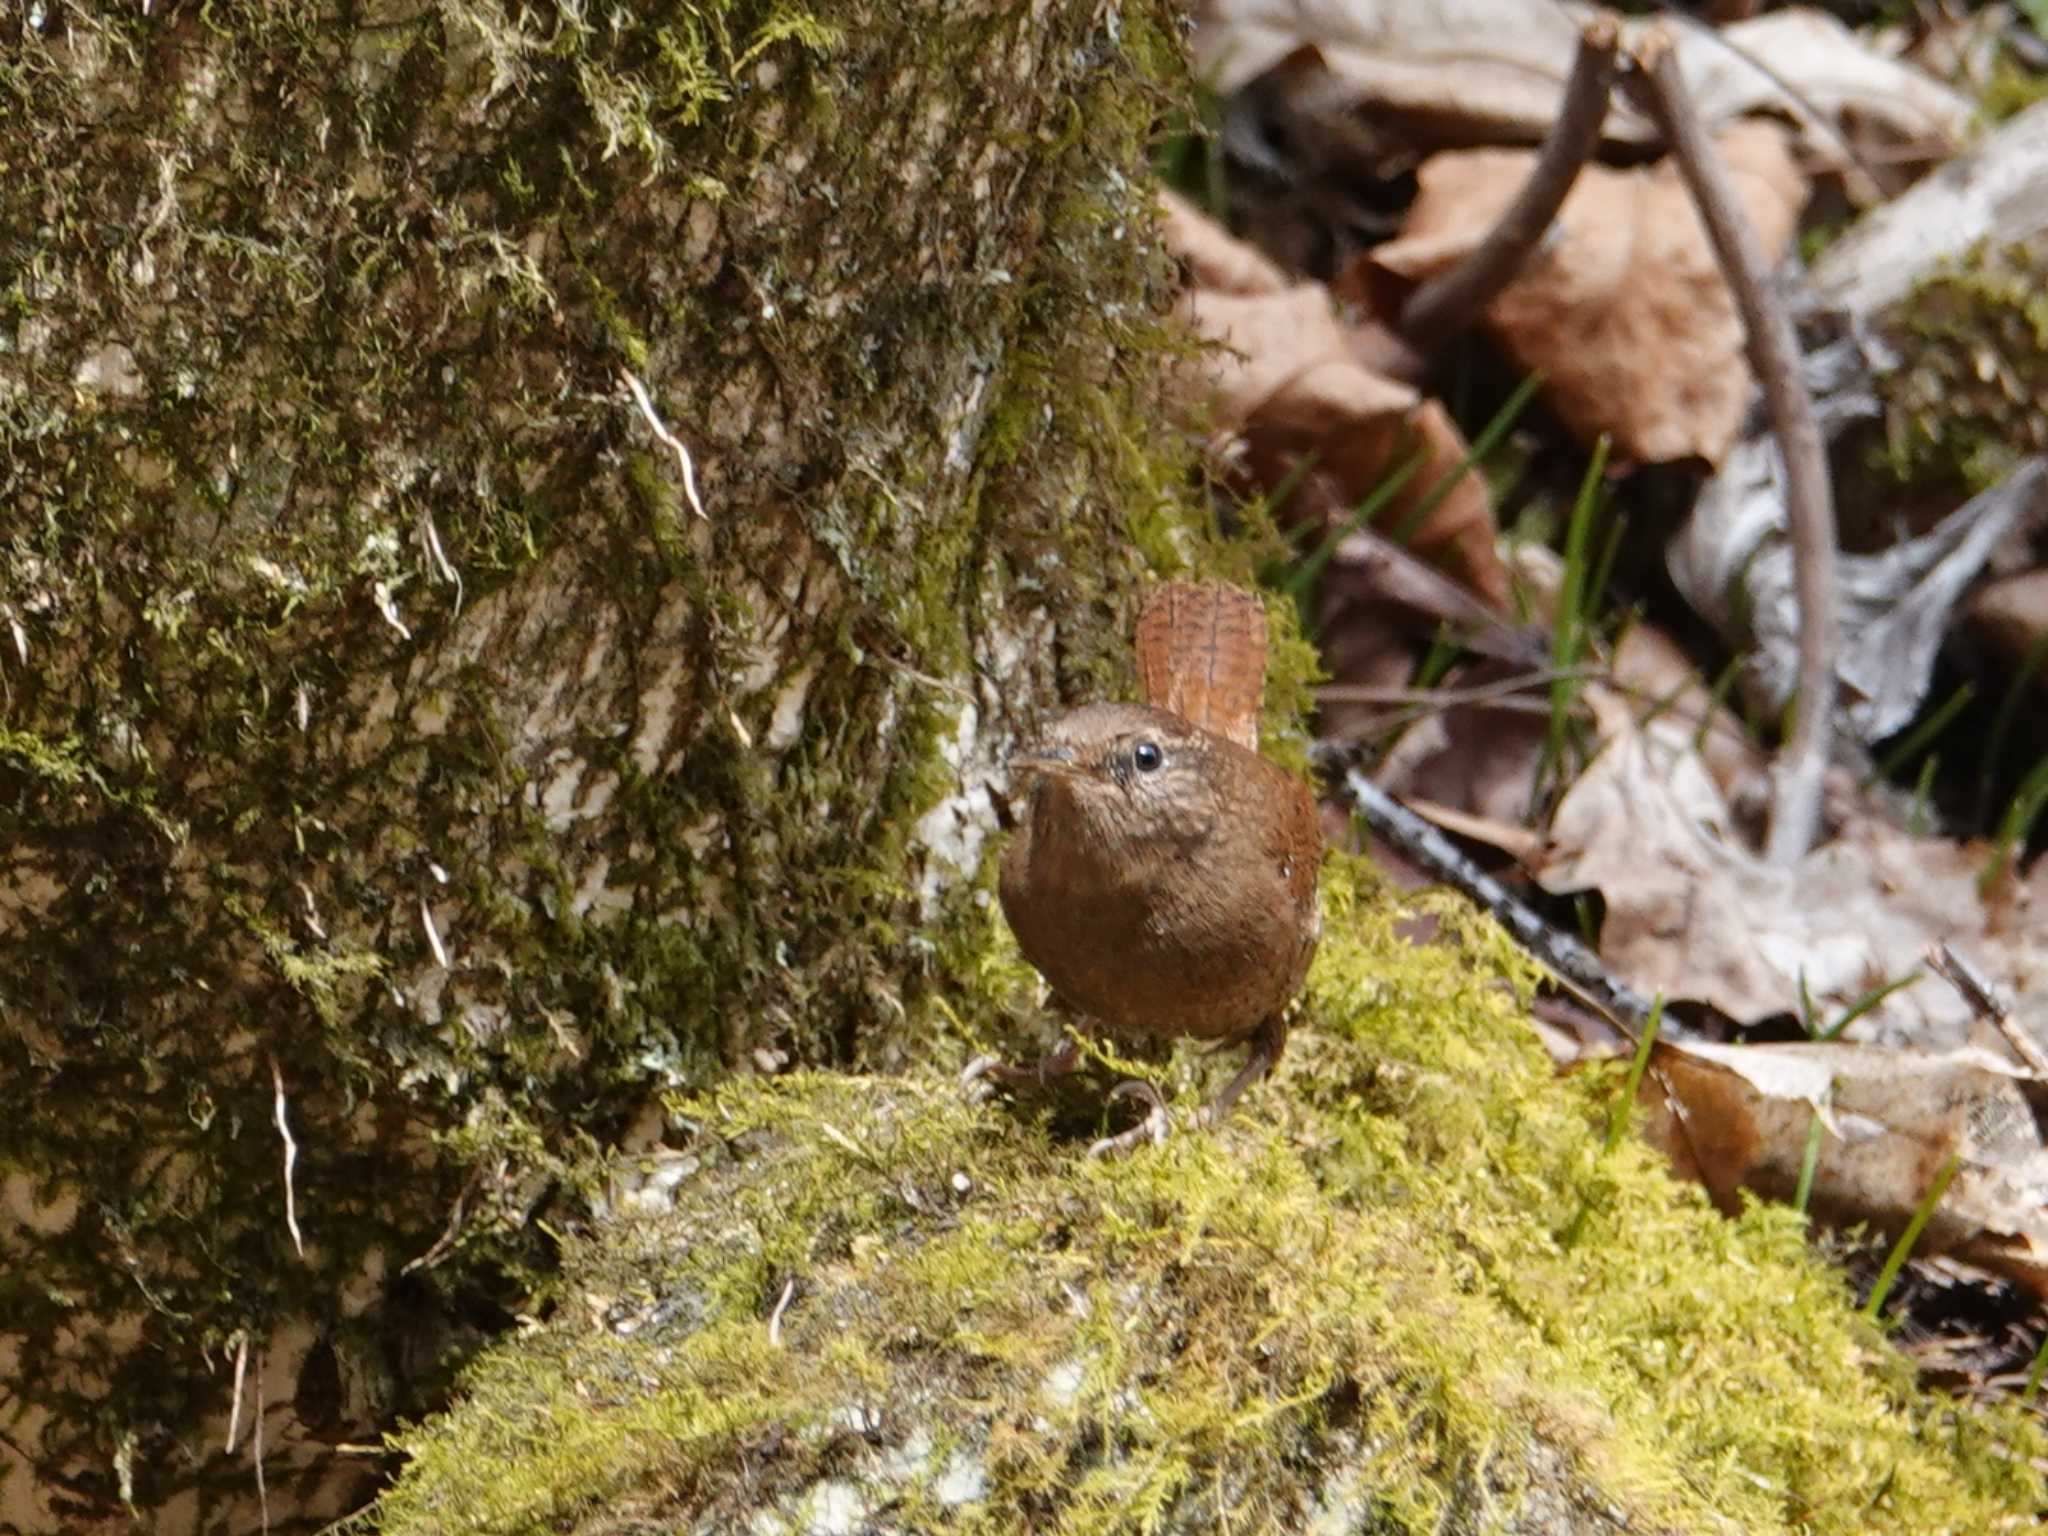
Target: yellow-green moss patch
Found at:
1964, 407
874, 1300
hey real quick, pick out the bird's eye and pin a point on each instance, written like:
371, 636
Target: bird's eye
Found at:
1146, 756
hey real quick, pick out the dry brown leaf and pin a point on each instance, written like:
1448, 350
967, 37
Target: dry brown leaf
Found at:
1213, 258
1692, 913
1623, 308
1292, 379
1737, 1117
1295, 370
1897, 115
1493, 68
1653, 669
1444, 72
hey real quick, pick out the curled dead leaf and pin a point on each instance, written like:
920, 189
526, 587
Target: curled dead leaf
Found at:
1738, 1118
1213, 259
1734, 562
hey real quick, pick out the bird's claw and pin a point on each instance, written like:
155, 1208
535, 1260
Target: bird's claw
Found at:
1152, 1128
983, 1076
977, 1078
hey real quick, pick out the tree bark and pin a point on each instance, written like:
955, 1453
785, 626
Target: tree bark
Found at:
389, 751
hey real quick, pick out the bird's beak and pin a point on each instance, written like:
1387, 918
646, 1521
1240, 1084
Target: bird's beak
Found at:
1056, 761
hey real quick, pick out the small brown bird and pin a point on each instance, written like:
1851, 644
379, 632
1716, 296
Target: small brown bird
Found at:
1164, 878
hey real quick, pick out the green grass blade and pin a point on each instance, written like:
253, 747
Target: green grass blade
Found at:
1305, 574
2034, 1375
1903, 1248
1617, 1118
1717, 700
1921, 734
1603, 567
1275, 500
1489, 438
2008, 711
1867, 1001
1570, 626
1917, 818
1436, 661
1809, 1163
2016, 823
1617, 1122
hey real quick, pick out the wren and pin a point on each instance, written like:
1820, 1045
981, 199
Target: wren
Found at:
1163, 877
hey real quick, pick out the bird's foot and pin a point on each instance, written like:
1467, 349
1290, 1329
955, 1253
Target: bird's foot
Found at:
1152, 1128
986, 1073
978, 1078
1268, 1041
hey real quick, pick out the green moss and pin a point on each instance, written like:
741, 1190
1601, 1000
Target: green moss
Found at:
2013, 86
1964, 408
1356, 1297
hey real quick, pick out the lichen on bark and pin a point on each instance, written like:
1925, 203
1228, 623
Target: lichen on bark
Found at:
380, 722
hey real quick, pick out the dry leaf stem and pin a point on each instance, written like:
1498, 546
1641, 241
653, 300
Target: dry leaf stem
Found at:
1774, 357
1446, 305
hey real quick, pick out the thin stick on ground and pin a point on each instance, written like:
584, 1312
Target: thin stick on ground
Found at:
1951, 966
1447, 304
1476, 693
1577, 969
1774, 357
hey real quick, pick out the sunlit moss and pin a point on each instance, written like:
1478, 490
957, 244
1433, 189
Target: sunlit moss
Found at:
1355, 1302
1964, 406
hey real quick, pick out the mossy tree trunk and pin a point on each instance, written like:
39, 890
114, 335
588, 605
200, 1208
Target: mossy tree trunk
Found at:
382, 729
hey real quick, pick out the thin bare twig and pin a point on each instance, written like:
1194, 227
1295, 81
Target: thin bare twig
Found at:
446, 1241
1412, 704
1448, 698
1577, 969
291, 1157
689, 466
1947, 962
781, 1306
1809, 504
241, 1375
1447, 304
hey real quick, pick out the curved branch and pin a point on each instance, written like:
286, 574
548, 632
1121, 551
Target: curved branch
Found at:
1450, 302
1809, 502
